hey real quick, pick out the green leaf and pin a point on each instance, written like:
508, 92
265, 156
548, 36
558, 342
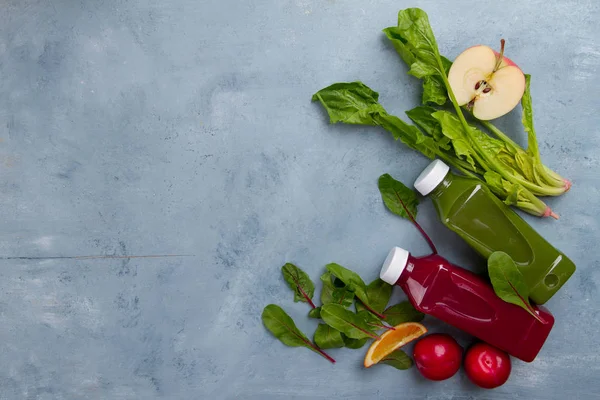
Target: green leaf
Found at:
315, 313
434, 91
400, 44
398, 359
351, 279
508, 282
379, 293
347, 322
354, 343
282, 326
299, 282
328, 338
402, 312
526, 165
355, 103
527, 120
335, 291
398, 198
350, 103
423, 118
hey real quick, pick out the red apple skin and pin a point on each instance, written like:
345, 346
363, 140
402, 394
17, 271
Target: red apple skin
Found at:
438, 356
486, 366
508, 61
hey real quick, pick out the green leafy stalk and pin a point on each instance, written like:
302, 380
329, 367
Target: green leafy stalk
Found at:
415, 42
353, 283
345, 321
398, 359
508, 282
402, 201
327, 337
282, 326
300, 283
355, 103
402, 312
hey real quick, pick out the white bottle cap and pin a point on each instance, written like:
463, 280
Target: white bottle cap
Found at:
431, 176
393, 265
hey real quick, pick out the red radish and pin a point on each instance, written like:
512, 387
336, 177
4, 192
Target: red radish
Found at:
486, 366
437, 356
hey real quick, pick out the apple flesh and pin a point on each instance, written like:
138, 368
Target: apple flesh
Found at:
489, 84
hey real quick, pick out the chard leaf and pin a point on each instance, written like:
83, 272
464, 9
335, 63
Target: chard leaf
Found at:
282, 326
398, 198
434, 91
453, 130
354, 343
347, 322
508, 282
328, 338
422, 117
402, 312
299, 282
398, 359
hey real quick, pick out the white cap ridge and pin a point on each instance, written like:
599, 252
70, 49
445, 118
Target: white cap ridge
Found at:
431, 176
393, 265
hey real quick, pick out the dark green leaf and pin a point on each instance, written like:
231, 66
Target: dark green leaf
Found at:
402, 312
353, 282
281, 325
335, 291
315, 313
346, 321
398, 198
379, 293
508, 282
423, 118
355, 103
299, 282
354, 343
398, 359
350, 103
400, 44
328, 338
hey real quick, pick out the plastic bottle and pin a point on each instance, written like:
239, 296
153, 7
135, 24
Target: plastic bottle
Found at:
469, 208
462, 299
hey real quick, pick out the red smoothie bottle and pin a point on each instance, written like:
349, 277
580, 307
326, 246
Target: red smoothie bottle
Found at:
464, 300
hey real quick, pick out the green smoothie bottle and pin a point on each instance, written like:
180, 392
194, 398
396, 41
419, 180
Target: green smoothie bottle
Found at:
469, 208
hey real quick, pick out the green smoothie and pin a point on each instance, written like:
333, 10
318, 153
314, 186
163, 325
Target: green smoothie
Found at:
469, 208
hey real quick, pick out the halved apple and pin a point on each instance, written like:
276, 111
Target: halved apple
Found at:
486, 81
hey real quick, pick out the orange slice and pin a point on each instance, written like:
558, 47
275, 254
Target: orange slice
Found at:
393, 340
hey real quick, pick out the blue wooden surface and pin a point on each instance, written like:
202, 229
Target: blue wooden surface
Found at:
133, 128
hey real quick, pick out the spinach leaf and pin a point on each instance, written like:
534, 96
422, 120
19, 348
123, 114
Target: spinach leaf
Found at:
398, 198
378, 293
423, 118
402, 312
335, 291
350, 103
355, 103
347, 322
315, 313
402, 201
354, 343
508, 282
354, 283
327, 337
300, 283
282, 326
398, 359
